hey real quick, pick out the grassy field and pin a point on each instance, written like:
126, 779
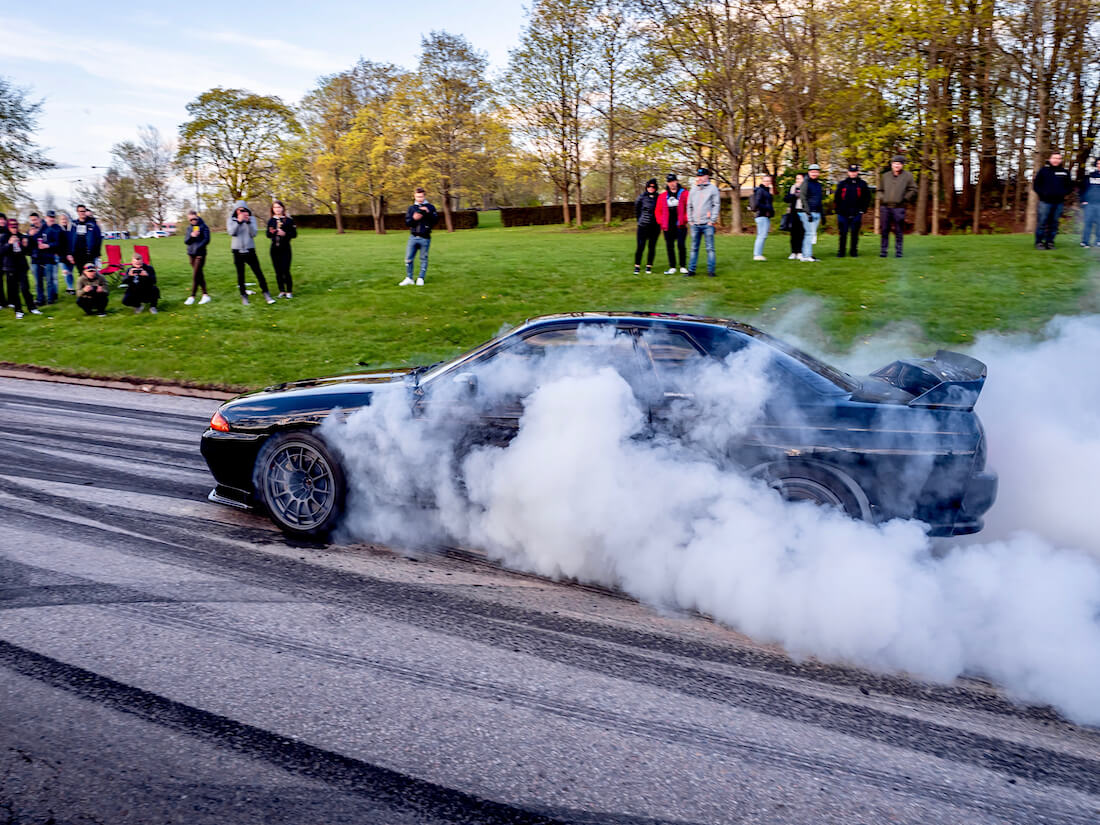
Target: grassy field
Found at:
348, 308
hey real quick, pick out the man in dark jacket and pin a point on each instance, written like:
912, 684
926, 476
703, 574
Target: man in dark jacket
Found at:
898, 188
851, 199
45, 246
812, 195
1052, 183
1090, 205
420, 217
197, 240
141, 286
645, 211
85, 239
14, 263
672, 217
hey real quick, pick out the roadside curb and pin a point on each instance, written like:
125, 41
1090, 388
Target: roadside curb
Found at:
27, 372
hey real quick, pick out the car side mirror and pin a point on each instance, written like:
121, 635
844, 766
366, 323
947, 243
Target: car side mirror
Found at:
467, 378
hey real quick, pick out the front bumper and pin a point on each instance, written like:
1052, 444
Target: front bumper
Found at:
231, 458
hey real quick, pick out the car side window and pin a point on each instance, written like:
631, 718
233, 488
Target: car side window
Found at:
674, 357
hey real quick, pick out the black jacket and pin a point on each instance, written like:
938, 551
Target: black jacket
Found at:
52, 236
281, 241
196, 244
763, 202
645, 208
813, 195
429, 217
1052, 184
14, 259
852, 196
1090, 187
136, 281
88, 243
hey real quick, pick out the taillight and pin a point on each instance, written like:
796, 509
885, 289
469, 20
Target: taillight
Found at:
219, 423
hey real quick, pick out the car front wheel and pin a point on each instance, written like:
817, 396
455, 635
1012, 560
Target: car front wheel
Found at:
301, 484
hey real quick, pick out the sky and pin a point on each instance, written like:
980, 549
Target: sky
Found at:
126, 68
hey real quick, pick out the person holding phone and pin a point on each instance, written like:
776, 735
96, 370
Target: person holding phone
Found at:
420, 218
242, 229
14, 262
140, 281
197, 240
92, 291
281, 231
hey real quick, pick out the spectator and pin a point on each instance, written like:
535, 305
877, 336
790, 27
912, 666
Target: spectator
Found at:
704, 204
85, 239
44, 248
671, 214
1090, 203
281, 230
14, 264
3, 246
851, 199
140, 281
812, 195
794, 199
420, 217
762, 203
197, 240
645, 210
92, 291
898, 188
242, 229
65, 225
1052, 183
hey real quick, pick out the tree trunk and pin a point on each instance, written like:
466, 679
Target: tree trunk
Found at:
610, 150
338, 213
936, 190
448, 218
977, 225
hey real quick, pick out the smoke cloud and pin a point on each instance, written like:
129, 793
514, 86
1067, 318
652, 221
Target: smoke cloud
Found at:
584, 492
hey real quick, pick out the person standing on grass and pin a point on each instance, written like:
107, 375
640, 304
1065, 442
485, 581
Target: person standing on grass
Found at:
141, 286
92, 291
3, 274
197, 240
671, 214
645, 211
1090, 203
65, 225
704, 204
14, 262
794, 199
851, 199
762, 203
242, 229
898, 189
420, 217
43, 254
281, 230
85, 239
813, 206
1052, 183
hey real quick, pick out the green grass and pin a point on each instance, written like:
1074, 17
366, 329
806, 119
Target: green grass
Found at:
348, 308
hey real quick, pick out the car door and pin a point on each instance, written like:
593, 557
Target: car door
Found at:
673, 360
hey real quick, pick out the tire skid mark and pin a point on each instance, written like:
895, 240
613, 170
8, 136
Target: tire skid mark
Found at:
567, 641
74, 408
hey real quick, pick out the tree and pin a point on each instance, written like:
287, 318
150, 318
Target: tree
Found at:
448, 100
19, 156
615, 37
150, 162
114, 198
238, 136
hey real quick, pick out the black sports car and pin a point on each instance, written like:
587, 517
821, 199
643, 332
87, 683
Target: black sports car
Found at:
903, 442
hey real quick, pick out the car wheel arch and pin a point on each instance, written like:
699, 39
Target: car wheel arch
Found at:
855, 501
333, 470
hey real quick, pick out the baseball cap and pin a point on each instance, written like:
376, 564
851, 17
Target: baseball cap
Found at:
702, 170
853, 167
671, 176
51, 214
814, 166
897, 159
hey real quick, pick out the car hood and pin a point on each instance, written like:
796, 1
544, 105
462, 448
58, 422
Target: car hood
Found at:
308, 402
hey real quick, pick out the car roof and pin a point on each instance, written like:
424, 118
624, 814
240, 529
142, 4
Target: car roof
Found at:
618, 315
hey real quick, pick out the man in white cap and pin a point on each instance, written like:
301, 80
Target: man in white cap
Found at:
702, 214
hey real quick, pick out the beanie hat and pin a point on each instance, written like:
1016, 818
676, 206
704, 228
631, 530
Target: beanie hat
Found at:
651, 182
897, 159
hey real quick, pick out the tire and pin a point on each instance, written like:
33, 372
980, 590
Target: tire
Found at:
300, 484
818, 485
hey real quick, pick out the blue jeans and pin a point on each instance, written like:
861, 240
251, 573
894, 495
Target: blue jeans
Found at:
705, 232
417, 243
810, 223
1092, 224
762, 227
67, 268
1047, 225
45, 283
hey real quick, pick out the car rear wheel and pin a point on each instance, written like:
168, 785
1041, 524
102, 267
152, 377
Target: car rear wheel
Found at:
301, 484
820, 486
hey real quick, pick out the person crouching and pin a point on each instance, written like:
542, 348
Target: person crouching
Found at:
141, 286
91, 291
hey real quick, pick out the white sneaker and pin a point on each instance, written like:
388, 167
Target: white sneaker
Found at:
268, 298
670, 271
18, 315
793, 256
245, 301
138, 309
152, 310
683, 270
288, 295
190, 300
420, 282
36, 312
810, 260
759, 258
205, 299
406, 282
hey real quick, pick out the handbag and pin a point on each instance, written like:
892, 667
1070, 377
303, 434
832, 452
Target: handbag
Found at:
785, 222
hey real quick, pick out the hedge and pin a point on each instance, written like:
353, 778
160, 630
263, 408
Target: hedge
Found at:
542, 215
463, 219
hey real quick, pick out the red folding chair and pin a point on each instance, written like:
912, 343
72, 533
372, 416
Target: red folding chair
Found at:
112, 269
143, 251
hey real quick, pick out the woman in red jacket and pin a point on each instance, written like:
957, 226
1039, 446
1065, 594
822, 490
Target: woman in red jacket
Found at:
671, 214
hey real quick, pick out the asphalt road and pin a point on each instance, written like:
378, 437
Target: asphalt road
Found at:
164, 659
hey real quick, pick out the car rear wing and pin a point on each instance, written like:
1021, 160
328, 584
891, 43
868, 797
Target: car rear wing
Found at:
947, 380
